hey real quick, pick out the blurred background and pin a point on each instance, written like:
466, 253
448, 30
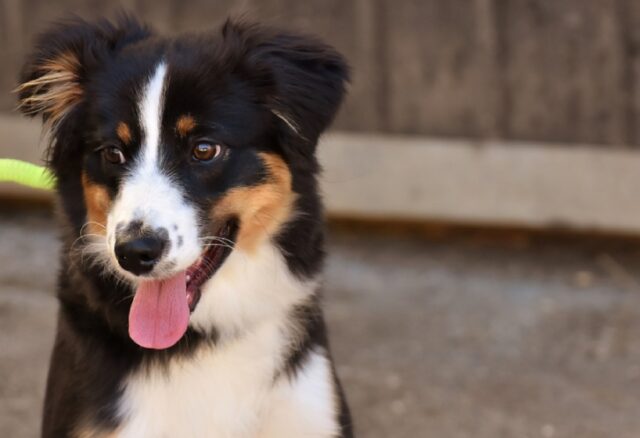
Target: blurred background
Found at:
481, 183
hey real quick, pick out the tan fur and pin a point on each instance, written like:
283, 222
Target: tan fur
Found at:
262, 209
124, 133
89, 432
56, 91
98, 202
185, 124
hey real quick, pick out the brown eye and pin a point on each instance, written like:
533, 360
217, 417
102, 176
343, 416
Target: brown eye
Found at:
206, 151
113, 155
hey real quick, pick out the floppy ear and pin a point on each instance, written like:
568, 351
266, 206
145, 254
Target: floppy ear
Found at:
307, 79
52, 81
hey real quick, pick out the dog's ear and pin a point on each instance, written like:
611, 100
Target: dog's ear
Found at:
52, 81
306, 78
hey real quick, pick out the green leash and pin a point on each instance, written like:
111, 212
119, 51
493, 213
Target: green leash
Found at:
26, 174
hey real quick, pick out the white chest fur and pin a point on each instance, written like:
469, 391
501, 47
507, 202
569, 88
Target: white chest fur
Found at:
231, 393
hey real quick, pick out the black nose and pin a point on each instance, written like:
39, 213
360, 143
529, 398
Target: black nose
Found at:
139, 255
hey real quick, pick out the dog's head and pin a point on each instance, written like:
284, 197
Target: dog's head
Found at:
172, 153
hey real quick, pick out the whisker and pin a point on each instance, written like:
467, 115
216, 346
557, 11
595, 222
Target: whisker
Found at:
220, 245
216, 239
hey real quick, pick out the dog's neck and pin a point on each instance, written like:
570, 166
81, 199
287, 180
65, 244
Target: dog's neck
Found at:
251, 287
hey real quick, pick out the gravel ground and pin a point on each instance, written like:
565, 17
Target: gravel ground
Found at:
446, 338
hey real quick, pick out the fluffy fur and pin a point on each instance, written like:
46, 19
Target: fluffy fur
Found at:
127, 111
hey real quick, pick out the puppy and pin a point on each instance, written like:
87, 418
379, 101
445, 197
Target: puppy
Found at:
193, 243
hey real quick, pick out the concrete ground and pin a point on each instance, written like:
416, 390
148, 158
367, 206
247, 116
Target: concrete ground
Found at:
446, 338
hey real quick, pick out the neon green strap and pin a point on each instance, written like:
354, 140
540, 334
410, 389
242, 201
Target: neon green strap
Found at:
27, 174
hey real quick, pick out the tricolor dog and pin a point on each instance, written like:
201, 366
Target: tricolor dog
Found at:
193, 231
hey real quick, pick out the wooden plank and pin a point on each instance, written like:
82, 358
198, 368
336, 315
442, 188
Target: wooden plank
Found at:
11, 30
11, 44
488, 183
630, 19
38, 14
441, 58
564, 71
9, 78
160, 15
202, 15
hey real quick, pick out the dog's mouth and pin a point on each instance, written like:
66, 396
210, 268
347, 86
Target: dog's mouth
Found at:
209, 262
159, 314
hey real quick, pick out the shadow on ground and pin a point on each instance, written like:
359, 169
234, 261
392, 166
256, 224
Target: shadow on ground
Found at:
447, 338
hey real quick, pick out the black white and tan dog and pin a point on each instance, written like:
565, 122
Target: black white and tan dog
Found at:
193, 231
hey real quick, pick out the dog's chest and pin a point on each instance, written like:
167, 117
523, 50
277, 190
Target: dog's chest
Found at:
230, 392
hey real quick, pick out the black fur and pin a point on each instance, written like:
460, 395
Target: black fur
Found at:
310, 317
263, 91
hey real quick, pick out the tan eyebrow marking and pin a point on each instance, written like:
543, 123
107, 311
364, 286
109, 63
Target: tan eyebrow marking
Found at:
124, 133
185, 124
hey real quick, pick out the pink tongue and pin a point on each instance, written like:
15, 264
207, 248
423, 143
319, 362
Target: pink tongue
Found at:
159, 315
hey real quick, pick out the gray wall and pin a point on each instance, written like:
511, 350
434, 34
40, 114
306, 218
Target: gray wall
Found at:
547, 70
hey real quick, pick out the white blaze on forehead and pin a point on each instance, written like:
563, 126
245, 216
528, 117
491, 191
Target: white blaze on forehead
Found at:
151, 108
148, 194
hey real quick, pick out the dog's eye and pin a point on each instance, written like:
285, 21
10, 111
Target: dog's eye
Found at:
204, 151
113, 155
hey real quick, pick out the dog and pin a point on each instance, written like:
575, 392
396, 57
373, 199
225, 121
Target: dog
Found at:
186, 181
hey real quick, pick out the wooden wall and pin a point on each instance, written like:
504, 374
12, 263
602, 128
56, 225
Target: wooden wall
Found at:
564, 71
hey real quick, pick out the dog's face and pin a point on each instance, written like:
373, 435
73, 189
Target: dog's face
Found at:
170, 154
